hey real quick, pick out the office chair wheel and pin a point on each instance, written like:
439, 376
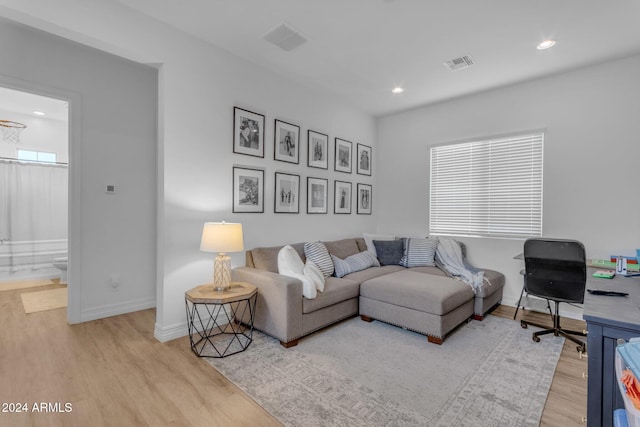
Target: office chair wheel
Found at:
535, 338
581, 349
523, 325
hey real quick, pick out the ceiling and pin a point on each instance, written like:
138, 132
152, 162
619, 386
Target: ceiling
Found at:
360, 49
26, 103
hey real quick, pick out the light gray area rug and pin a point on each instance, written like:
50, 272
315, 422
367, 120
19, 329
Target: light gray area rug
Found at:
355, 373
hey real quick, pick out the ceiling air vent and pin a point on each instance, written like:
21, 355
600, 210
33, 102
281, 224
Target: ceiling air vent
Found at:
285, 37
459, 63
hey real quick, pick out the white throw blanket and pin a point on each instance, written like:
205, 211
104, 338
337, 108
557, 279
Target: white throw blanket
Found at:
450, 258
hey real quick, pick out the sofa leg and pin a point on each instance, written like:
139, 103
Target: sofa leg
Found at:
289, 344
366, 318
434, 340
477, 317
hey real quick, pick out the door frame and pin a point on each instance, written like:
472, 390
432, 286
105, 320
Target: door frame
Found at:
74, 267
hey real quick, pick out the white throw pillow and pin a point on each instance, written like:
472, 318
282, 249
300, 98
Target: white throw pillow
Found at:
370, 237
290, 264
289, 261
312, 271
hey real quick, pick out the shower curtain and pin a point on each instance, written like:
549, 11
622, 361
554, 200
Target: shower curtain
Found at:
33, 214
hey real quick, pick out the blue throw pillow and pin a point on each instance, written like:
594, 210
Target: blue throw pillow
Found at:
389, 251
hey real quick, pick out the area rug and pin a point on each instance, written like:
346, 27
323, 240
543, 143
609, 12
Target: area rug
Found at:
44, 300
355, 373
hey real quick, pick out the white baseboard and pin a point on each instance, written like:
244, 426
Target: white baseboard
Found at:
168, 333
103, 311
177, 330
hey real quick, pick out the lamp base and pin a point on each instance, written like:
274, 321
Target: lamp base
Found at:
221, 272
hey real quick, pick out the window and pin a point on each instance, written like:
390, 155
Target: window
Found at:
36, 156
490, 187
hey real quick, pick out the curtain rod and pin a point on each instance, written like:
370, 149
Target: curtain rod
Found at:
13, 159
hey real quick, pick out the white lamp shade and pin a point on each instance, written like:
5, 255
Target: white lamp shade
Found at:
221, 237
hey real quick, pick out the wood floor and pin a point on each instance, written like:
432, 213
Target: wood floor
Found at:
113, 372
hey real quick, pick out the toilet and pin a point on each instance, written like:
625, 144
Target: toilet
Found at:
61, 264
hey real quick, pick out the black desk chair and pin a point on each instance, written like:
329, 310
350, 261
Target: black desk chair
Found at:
555, 270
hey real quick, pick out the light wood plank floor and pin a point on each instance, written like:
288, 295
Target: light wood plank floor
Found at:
115, 373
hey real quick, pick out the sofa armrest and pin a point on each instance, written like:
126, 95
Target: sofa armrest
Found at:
279, 306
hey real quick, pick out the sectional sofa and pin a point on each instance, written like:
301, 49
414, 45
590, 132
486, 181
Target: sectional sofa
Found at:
423, 299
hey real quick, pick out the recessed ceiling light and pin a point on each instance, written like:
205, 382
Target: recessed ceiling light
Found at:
397, 89
546, 44
38, 113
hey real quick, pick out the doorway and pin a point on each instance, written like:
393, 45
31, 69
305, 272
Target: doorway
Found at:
34, 189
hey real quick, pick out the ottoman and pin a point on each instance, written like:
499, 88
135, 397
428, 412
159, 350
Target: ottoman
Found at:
424, 303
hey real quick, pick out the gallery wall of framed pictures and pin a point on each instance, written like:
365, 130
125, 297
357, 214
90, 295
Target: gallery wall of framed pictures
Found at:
352, 164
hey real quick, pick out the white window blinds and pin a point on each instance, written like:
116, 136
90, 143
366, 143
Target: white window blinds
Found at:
490, 187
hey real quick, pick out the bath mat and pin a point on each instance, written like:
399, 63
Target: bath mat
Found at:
44, 300
26, 284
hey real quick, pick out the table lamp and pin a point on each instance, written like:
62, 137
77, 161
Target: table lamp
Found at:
221, 237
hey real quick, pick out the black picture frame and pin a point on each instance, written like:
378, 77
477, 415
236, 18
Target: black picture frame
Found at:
317, 195
287, 193
248, 190
363, 159
248, 132
364, 199
342, 197
317, 150
286, 142
343, 154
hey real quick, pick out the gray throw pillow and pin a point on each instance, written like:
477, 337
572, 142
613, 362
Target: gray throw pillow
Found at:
389, 251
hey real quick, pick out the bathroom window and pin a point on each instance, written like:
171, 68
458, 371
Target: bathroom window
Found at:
36, 156
489, 187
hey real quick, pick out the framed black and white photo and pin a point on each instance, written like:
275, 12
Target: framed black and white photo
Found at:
364, 160
318, 150
364, 199
248, 190
287, 193
342, 195
248, 132
286, 146
317, 195
343, 155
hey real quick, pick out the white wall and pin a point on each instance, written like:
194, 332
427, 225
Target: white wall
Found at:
114, 104
591, 159
199, 86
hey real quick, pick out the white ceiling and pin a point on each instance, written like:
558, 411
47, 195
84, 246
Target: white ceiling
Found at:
360, 49
26, 103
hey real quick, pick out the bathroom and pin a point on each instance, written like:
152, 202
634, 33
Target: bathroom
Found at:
34, 140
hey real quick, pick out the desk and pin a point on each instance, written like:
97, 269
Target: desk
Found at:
608, 319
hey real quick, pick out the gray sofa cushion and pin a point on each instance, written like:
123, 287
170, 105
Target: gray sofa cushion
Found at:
335, 291
342, 248
267, 258
431, 294
372, 272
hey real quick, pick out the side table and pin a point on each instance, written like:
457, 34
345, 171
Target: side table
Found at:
214, 319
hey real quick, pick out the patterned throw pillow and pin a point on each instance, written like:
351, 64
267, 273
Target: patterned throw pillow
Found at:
353, 263
419, 252
318, 253
389, 251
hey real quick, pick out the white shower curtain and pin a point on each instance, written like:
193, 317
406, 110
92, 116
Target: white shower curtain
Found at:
33, 213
